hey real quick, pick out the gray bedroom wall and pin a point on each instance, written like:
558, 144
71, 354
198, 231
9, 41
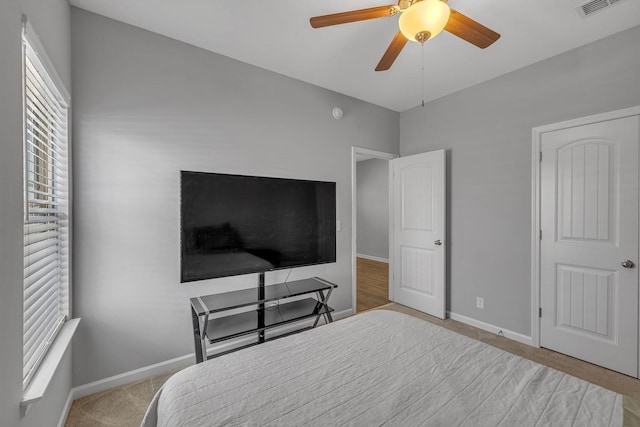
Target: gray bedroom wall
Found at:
372, 217
146, 107
50, 19
486, 130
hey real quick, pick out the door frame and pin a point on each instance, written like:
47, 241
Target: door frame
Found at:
536, 153
373, 154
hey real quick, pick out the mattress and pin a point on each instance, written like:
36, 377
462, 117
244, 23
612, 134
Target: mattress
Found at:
379, 368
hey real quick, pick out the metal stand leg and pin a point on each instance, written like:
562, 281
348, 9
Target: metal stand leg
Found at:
199, 338
322, 304
261, 324
203, 337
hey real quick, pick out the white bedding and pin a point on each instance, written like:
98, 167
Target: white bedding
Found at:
379, 368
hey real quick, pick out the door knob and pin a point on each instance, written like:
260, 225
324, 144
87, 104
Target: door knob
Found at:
438, 242
627, 263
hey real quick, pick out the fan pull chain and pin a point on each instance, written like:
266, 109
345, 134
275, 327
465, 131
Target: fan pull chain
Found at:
422, 49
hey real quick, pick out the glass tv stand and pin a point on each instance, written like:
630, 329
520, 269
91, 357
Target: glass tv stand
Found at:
212, 325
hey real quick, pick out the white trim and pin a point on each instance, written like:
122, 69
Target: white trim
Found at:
535, 236
373, 154
172, 364
372, 258
515, 336
132, 376
392, 244
354, 213
47, 369
536, 141
52, 75
596, 118
65, 409
337, 315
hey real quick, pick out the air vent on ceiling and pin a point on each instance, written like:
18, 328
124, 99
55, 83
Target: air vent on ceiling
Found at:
593, 6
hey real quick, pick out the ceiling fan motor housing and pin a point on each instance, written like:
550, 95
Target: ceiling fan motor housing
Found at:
404, 4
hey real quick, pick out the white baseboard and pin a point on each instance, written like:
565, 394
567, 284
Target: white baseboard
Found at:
131, 376
373, 258
65, 410
524, 339
170, 365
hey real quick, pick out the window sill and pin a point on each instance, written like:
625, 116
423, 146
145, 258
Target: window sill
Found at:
43, 376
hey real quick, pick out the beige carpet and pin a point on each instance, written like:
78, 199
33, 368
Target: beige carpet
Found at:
125, 406
122, 406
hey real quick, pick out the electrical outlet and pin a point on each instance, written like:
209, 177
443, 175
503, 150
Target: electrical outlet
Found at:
479, 302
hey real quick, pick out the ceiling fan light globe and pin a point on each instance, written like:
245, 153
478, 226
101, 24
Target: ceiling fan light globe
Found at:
426, 16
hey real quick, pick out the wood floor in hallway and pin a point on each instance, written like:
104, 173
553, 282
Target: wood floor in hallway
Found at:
372, 283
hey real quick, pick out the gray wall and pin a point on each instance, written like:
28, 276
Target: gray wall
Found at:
486, 131
372, 218
50, 18
147, 107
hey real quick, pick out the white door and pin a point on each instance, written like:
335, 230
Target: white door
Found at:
589, 221
418, 262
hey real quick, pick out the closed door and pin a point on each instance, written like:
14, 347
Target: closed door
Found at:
418, 232
589, 246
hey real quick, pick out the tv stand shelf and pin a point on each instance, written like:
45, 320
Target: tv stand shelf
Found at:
228, 326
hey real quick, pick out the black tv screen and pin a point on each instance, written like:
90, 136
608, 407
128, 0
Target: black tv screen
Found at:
235, 224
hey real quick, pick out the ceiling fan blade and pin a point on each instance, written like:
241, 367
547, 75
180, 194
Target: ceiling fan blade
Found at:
469, 30
392, 52
354, 16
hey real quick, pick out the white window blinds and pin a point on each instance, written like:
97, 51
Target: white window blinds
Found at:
46, 228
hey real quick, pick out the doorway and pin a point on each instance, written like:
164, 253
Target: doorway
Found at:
585, 239
414, 235
370, 228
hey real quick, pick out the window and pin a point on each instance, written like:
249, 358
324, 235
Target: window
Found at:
46, 207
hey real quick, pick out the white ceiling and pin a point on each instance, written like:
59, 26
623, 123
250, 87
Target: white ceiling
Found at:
276, 35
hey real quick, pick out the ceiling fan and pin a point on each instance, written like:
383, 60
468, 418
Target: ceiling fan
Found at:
420, 20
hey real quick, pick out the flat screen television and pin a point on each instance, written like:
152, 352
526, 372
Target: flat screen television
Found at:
236, 224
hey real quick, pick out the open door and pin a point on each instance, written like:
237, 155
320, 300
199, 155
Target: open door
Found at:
418, 232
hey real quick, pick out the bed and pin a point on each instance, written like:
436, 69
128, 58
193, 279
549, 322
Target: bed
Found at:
379, 368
